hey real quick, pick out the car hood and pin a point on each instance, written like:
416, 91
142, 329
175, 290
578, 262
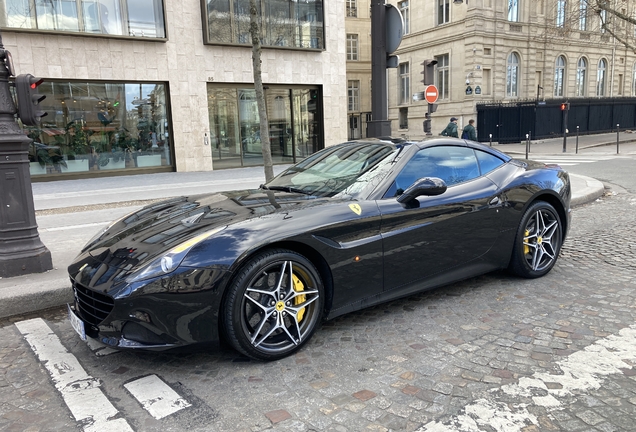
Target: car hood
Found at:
155, 229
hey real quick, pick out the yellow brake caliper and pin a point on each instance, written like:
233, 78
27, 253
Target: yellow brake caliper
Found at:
298, 287
526, 248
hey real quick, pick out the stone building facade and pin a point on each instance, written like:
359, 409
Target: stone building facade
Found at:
501, 50
153, 76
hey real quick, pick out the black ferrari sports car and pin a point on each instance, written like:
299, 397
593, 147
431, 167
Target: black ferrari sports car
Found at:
349, 227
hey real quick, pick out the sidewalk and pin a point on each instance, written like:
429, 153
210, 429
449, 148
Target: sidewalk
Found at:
81, 199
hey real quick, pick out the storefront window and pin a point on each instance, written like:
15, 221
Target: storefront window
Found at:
293, 115
92, 127
283, 23
139, 18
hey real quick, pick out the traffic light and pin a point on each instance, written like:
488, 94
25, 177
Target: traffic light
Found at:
28, 100
429, 72
565, 106
427, 123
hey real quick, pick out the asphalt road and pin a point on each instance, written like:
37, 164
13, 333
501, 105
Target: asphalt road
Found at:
493, 353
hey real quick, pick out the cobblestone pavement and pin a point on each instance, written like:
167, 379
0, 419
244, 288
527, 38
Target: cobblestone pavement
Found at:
398, 366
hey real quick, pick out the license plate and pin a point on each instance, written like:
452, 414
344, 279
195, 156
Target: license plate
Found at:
76, 323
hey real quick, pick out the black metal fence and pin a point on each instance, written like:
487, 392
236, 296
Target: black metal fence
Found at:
510, 122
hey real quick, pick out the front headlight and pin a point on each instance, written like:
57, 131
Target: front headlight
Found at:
169, 262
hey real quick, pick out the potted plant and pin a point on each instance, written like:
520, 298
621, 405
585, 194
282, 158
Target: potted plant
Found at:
43, 157
76, 150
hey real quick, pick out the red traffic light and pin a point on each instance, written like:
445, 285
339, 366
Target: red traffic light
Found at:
565, 106
28, 100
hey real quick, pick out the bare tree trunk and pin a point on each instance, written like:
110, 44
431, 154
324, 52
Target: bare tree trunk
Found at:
260, 94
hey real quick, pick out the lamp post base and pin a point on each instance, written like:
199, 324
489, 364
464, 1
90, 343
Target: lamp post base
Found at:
25, 262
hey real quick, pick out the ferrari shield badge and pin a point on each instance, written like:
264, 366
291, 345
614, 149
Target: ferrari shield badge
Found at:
356, 209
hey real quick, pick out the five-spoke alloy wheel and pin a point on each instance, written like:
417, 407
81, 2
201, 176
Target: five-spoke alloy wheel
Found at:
274, 305
538, 241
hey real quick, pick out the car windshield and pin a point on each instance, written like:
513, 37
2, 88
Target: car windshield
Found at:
331, 171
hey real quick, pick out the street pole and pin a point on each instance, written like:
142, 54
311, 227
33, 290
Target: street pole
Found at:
21, 250
618, 138
565, 128
577, 140
379, 126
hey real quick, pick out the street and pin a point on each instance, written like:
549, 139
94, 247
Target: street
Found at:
493, 353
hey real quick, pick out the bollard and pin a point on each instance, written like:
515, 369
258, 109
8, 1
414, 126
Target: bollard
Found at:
527, 144
618, 131
490, 140
577, 140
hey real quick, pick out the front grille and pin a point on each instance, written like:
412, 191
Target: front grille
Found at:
93, 307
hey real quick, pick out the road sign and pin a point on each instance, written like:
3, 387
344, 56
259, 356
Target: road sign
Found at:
431, 94
418, 96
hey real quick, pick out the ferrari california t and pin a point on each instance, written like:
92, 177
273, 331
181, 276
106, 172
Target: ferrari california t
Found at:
349, 227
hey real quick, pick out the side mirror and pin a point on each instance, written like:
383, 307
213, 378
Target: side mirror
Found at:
428, 186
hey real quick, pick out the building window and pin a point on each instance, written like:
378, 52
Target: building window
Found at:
581, 77
403, 84
602, 16
513, 10
353, 92
559, 77
283, 23
99, 126
404, 8
600, 78
352, 47
404, 118
443, 76
443, 11
106, 17
634, 80
352, 8
512, 76
560, 16
583, 15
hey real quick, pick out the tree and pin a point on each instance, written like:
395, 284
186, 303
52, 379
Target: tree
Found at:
600, 18
255, 34
617, 20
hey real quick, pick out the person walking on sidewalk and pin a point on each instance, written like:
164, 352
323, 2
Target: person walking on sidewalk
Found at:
451, 129
469, 132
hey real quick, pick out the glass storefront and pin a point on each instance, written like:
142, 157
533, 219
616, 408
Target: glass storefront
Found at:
138, 18
97, 126
295, 124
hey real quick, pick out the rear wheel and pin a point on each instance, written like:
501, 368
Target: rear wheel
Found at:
538, 241
274, 305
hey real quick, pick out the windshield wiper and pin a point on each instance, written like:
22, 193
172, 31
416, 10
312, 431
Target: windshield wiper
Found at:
286, 189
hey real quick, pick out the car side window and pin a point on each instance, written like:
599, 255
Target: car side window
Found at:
487, 162
451, 164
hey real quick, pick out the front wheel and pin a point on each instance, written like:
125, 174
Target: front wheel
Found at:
274, 305
538, 241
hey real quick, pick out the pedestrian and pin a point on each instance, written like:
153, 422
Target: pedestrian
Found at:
451, 129
469, 132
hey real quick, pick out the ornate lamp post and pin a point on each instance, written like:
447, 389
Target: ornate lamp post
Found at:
21, 250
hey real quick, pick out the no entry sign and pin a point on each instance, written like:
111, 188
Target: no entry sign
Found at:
431, 94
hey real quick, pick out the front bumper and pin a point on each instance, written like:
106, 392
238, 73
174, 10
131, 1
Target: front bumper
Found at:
177, 310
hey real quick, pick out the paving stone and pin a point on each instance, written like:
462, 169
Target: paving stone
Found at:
391, 367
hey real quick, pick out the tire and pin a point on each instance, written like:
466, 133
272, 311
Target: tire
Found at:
538, 241
274, 305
